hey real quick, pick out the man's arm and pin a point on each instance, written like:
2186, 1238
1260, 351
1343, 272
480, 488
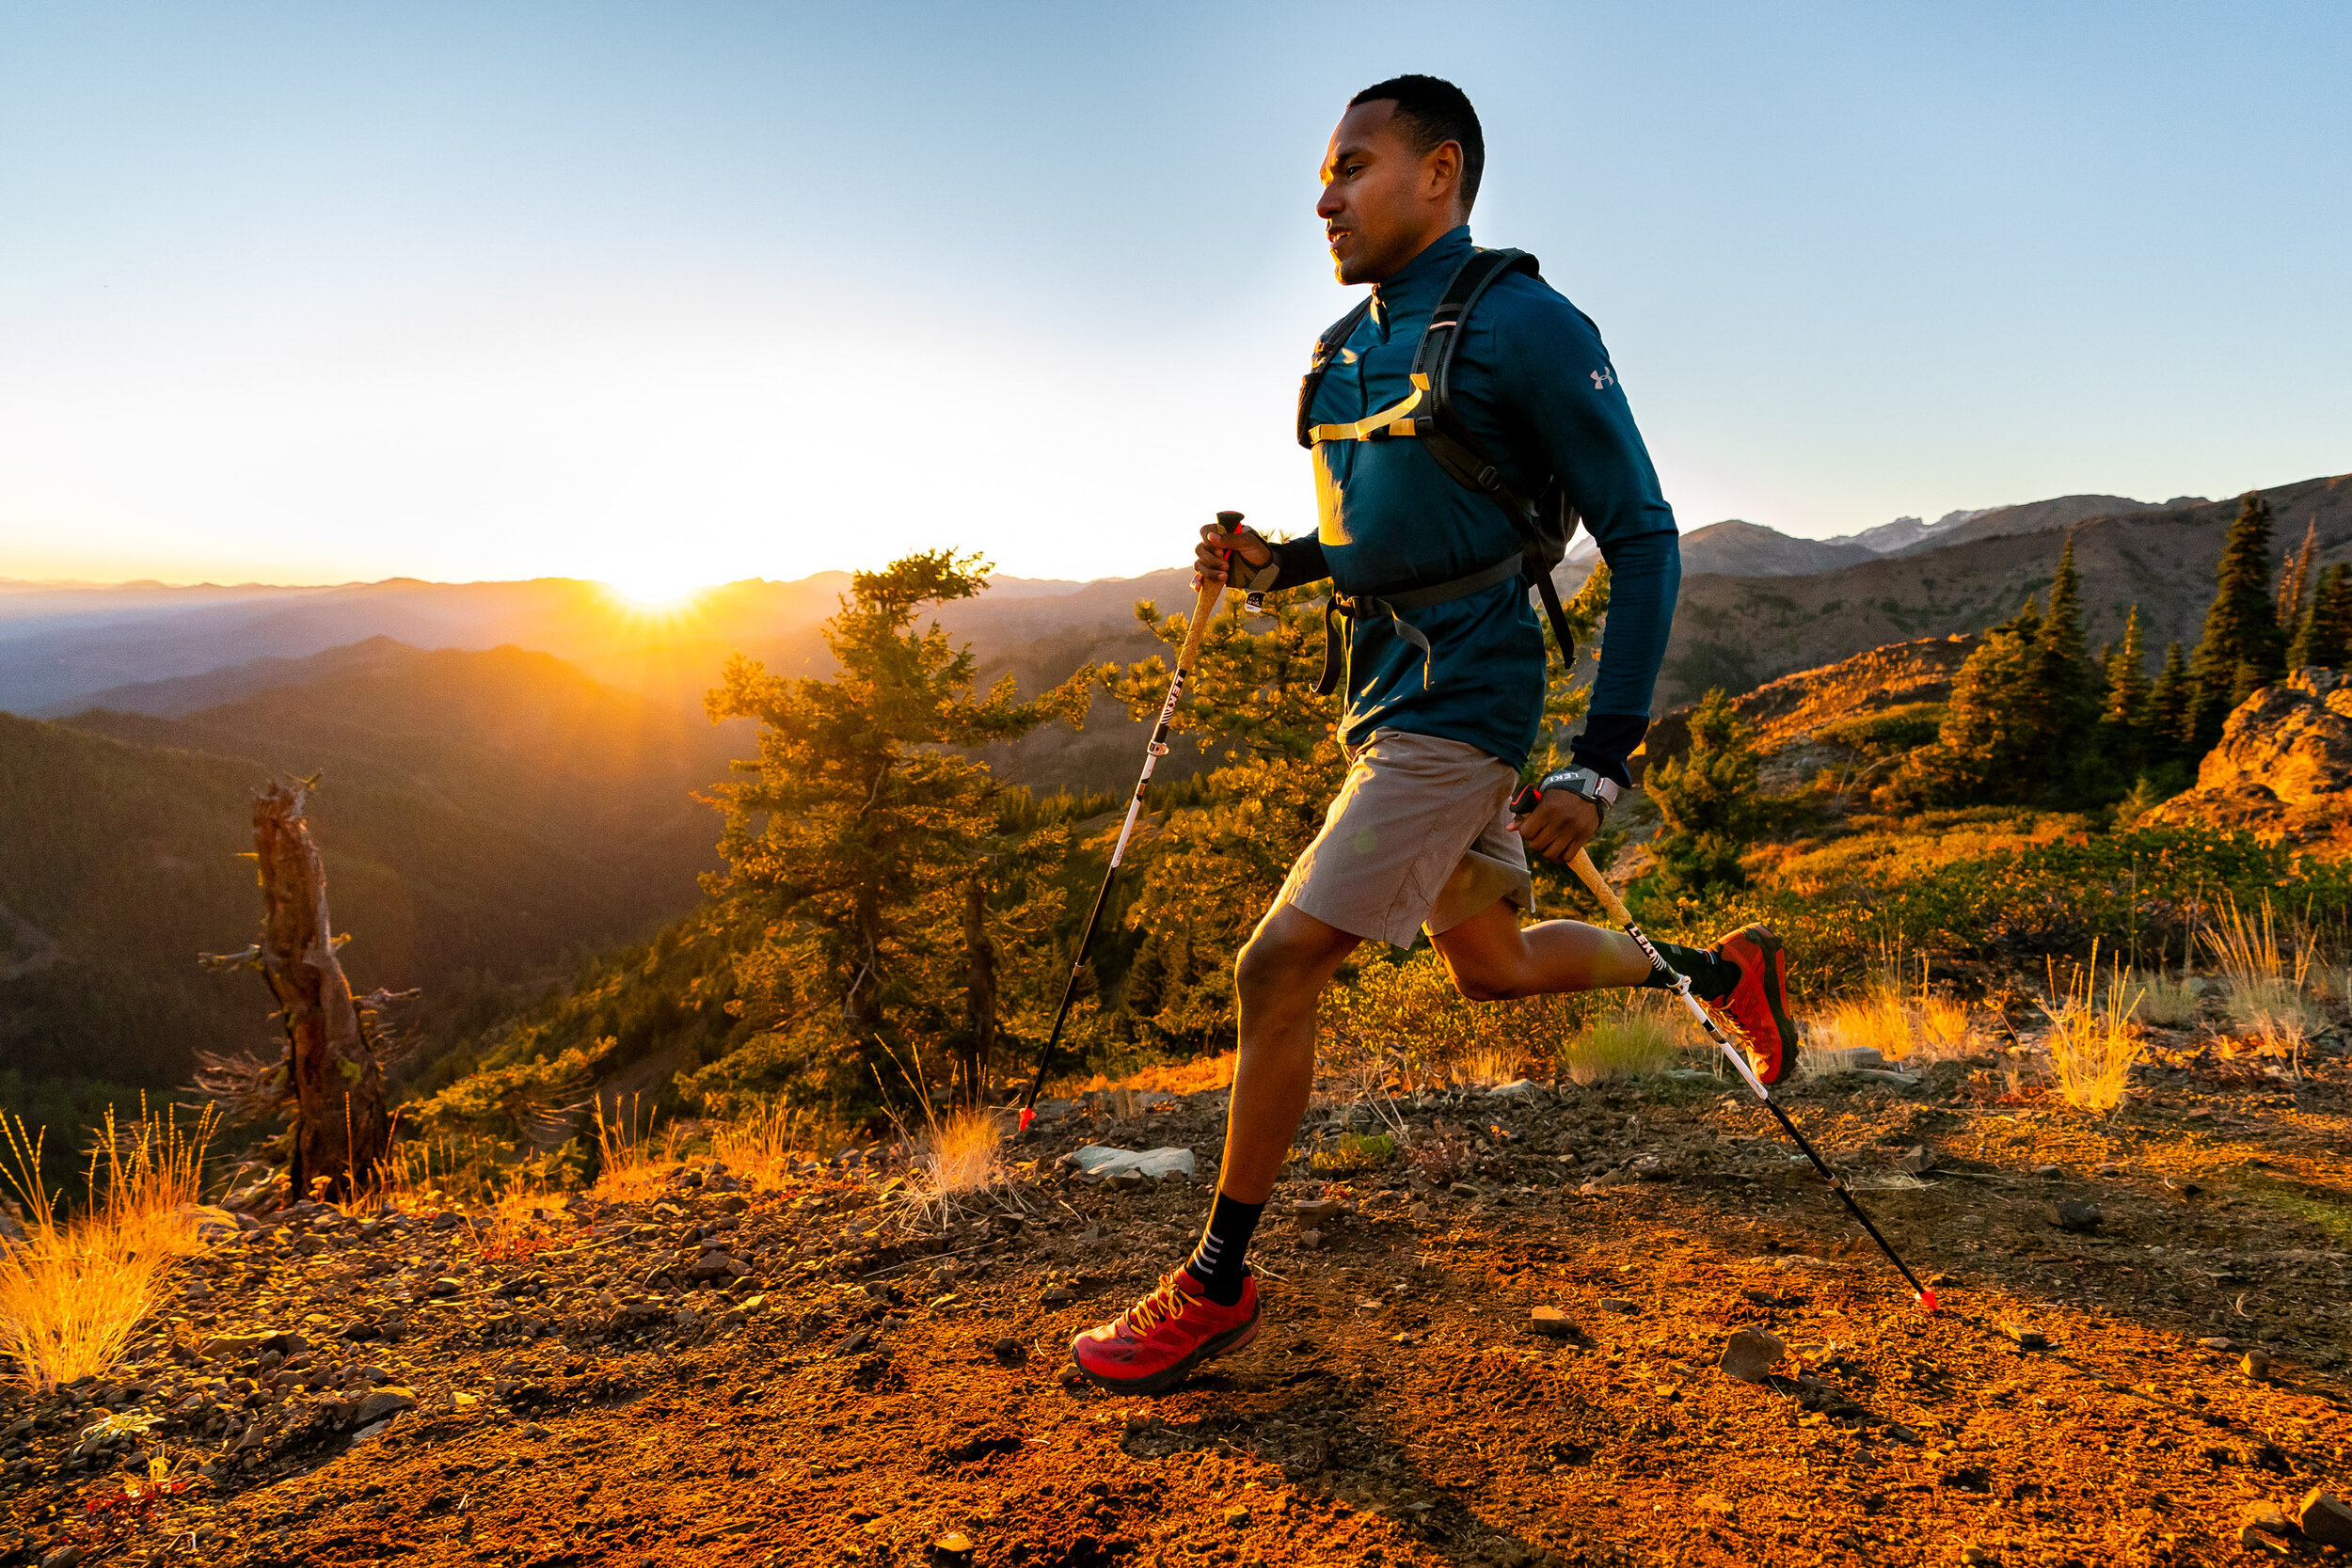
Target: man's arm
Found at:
1554, 375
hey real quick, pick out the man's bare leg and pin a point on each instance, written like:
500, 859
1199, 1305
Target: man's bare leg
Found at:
1492, 959
1278, 980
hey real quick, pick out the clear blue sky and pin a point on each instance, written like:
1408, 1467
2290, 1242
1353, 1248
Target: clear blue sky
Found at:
672, 292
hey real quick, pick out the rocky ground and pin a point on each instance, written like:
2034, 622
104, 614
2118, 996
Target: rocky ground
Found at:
1517, 1358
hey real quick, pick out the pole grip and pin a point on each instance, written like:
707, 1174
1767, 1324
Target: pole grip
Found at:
1590, 876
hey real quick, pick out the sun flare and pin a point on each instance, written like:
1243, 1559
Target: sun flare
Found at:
652, 589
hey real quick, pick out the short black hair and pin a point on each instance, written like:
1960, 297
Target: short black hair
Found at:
1436, 111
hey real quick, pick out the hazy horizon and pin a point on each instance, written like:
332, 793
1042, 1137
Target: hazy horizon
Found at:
313, 297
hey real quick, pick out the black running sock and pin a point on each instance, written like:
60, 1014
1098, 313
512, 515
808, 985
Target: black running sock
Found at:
1216, 1263
1711, 978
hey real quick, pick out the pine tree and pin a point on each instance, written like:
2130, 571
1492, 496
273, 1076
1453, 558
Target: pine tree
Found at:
2124, 714
854, 837
2325, 636
2242, 649
2063, 701
2171, 702
2295, 579
1708, 800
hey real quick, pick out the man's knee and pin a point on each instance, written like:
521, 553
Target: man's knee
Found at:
1487, 977
1289, 954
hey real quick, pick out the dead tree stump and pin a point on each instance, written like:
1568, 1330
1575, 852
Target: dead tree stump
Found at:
342, 1126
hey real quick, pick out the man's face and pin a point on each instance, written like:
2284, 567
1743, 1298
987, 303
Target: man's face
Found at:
1383, 202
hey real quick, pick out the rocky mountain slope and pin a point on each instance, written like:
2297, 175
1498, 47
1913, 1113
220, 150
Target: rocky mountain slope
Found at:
1740, 632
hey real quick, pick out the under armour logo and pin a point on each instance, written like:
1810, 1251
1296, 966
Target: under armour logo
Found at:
1603, 378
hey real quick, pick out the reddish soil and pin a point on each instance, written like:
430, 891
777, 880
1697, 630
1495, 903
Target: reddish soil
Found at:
851, 1402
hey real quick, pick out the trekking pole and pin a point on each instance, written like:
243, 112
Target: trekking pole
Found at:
1202, 610
1592, 878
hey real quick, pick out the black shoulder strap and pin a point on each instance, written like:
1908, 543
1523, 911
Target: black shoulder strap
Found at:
1326, 347
1433, 357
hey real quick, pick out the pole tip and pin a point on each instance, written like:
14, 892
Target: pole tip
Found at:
1028, 1114
1927, 1301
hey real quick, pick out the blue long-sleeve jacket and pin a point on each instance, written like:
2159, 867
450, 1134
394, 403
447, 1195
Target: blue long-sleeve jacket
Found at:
1534, 385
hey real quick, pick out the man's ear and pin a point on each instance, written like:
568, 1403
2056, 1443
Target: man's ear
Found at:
1444, 164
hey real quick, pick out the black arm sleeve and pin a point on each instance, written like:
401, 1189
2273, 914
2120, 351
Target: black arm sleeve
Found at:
1297, 562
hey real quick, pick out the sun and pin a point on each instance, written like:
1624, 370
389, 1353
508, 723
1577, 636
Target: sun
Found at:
651, 588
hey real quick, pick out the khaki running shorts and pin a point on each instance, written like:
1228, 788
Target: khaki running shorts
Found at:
1419, 839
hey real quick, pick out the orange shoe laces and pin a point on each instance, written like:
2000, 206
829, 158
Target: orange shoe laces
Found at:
1165, 1305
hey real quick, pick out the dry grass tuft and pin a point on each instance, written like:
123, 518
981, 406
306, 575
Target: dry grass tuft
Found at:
764, 1145
1915, 1026
72, 1294
2166, 1000
631, 1165
2093, 1043
1637, 1038
1201, 1072
2270, 1000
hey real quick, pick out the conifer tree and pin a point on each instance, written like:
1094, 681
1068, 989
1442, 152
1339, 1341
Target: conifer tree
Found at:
2242, 649
2325, 636
853, 838
2123, 715
2294, 580
2172, 702
1708, 800
2063, 701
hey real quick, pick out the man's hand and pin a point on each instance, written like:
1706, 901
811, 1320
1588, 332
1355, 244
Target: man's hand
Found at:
1561, 824
1208, 558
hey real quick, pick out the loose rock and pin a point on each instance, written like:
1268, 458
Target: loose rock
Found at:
1918, 1160
2256, 1365
1750, 1352
2326, 1521
2076, 1215
1551, 1321
1618, 1304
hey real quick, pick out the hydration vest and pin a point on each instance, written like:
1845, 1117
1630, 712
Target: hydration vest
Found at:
1544, 523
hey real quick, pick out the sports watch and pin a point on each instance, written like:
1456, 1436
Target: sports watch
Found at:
1581, 782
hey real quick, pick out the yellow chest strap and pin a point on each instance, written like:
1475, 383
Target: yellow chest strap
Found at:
1395, 420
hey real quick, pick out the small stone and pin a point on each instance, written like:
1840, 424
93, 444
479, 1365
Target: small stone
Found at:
1551, 1322
1009, 1350
443, 1287
382, 1402
850, 1344
2076, 1214
2215, 1342
2256, 1365
64, 1556
2268, 1519
1463, 1190
2049, 1173
1236, 1517
1317, 1210
954, 1543
1420, 1213
2027, 1339
1312, 1239
1750, 1352
1618, 1304
1918, 1160
1055, 1295
2325, 1519
1977, 1555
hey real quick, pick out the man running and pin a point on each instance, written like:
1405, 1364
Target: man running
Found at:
1443, 699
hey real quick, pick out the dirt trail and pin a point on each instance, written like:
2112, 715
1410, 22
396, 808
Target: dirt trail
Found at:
854, 1396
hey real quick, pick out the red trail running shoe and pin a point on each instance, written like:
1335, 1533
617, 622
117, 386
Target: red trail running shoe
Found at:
1165, 1336
1759, 1004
